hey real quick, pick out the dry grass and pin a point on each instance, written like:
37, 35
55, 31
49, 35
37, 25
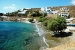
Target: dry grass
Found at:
70, 45
67, 46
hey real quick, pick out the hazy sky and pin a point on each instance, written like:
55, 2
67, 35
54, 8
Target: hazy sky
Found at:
12, 5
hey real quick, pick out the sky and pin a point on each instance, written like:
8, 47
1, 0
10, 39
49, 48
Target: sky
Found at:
13, 5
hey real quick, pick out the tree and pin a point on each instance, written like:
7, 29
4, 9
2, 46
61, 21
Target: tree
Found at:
42, 19
36, 13
57, 24
31, 20
45, 23
45, 14
27, 12
62, 23
1, 14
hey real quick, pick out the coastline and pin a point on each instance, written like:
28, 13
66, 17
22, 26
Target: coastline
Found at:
50, 41
41, 33
46, 36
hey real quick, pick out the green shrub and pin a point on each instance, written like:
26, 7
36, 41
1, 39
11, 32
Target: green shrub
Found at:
42, 19
30, 20
45, 23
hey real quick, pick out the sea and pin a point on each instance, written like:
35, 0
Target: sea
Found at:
19, 36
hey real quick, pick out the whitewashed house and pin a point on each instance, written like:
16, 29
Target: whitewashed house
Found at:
5, 18
46, 10
64, 9
64, 14
22, 11
54, 11
49, 11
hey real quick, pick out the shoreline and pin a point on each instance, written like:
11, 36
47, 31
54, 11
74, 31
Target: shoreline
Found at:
41, 33
50, 41
47, 38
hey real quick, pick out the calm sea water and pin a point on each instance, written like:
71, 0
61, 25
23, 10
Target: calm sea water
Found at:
18, 36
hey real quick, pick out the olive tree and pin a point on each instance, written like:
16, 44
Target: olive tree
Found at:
57, 24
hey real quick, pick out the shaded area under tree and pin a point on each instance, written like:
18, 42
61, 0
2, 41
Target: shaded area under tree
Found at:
63, 34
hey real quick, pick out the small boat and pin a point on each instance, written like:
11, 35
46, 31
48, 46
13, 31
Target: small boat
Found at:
71, 25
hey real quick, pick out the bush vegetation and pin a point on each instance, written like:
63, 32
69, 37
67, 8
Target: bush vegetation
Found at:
54, 24
31, 20
36, 14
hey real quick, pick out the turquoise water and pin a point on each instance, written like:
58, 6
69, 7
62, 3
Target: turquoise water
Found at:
18, 36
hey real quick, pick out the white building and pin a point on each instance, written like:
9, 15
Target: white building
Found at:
54, 11
22, 12
64, 14
48, 10
64, 9
5, 18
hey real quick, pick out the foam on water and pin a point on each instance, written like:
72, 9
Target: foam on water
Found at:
38, 30
41, 33
45, 41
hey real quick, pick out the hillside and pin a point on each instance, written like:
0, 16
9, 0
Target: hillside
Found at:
71, 9
30, 11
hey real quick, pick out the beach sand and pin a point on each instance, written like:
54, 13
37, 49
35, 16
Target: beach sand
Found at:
56, 42
66, 43
50, 42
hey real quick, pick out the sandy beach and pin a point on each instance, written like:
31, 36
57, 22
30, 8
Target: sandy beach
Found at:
69, 45
54, 42
47, 39
66, 43
50, 42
